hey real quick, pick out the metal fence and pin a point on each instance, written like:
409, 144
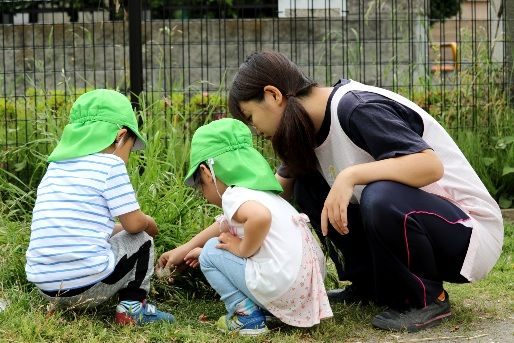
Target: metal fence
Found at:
172, 53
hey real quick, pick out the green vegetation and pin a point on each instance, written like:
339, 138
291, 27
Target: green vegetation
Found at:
471, 104
26, 318
157, 176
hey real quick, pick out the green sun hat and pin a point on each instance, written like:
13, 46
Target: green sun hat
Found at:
228, 142
95, 119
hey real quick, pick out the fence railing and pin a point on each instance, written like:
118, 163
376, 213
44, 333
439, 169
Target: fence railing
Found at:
174, 55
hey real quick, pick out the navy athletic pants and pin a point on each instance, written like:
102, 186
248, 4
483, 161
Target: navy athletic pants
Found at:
402, 242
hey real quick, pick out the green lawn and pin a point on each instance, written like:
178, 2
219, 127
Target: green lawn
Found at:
26, 318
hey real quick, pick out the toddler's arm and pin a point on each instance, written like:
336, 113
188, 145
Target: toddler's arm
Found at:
175, 257
256, 220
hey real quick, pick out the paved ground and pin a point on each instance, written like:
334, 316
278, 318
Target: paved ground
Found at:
486, 331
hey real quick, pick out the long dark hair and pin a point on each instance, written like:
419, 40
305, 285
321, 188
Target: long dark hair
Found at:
294, 140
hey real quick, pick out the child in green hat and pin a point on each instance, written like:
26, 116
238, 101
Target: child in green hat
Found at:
77, 255
259, 255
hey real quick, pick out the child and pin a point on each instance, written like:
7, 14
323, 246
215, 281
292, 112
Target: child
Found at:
77, 255
406, 209
260, 255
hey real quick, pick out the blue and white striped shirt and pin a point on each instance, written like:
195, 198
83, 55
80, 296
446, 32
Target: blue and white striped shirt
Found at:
73, 219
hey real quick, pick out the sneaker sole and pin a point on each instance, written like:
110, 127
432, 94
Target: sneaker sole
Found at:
385, 324
431, 323
246, 332
253, 332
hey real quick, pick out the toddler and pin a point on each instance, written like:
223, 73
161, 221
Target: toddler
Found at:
259, 255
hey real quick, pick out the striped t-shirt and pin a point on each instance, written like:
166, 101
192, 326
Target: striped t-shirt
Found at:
73, 219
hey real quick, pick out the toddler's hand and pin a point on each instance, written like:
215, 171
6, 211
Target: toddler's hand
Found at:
172, 258
230, 243
192, 257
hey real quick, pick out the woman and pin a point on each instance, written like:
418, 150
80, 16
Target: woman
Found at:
382, 180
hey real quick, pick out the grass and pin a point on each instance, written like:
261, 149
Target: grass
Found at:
157, 177
26, 318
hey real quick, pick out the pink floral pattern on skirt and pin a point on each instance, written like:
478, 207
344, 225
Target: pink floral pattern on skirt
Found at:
306, 302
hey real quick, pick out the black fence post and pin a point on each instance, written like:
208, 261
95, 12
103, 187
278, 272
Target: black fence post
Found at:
506, 12
135, 52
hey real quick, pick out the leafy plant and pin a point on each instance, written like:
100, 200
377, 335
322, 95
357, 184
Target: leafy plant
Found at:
442, 9
475, 109
492, 158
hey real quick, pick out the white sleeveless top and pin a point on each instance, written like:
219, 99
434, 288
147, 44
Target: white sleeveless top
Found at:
274, 267
286, 274
460, 184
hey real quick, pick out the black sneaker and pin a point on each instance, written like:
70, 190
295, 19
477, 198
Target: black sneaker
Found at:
414, 319
347, 295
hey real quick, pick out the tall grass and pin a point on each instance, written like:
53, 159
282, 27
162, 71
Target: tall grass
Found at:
492, 157
157, 175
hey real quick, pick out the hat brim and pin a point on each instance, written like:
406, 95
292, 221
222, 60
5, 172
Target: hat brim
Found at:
140, 142
189, 179
79, 140
244, 167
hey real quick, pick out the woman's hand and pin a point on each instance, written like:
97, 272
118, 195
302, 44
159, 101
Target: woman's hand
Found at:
191, 258
336, 204
230, 243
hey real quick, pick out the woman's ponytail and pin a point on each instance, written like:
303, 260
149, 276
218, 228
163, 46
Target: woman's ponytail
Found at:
295, 138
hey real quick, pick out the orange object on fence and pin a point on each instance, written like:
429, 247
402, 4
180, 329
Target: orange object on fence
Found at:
446, 65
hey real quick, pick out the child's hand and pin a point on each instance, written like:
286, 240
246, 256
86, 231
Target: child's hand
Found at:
230, 243
192, 257
173, 258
